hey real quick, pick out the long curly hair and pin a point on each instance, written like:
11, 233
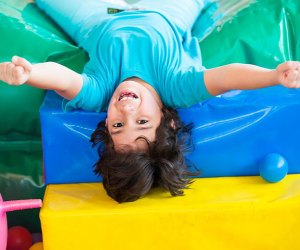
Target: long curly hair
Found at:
130, 175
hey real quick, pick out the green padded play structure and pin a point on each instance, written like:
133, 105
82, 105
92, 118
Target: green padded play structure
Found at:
26, 31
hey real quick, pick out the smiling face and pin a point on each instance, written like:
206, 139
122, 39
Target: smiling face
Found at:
134, 111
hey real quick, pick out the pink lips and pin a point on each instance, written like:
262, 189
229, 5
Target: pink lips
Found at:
128, 94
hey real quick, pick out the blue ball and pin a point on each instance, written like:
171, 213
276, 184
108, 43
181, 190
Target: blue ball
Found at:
273, 167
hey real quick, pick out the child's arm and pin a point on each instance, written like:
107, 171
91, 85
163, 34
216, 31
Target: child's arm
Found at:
246, 76
48, 75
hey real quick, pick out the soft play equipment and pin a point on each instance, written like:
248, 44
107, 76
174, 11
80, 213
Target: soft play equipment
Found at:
18, 238
231, 135
236, 131
37, 246
232, 132
231, 213
26, 31
8, 206
273, 167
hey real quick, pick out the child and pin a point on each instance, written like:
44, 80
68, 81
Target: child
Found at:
143, 64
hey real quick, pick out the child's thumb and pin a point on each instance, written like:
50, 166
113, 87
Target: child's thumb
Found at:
19, 61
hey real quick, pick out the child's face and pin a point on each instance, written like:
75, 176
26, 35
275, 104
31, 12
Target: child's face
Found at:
134, 110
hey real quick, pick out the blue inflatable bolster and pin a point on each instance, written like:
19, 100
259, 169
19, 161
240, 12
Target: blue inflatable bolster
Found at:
231, 133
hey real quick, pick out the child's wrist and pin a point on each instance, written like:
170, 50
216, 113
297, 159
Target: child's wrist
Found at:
275, 77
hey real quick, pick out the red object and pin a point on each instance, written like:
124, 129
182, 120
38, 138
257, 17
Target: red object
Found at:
19, 238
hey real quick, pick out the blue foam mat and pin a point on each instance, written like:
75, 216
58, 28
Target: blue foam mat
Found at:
231, 133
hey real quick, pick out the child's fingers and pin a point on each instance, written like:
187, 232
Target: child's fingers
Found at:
292, 79
20, 76
19, 71
288, 66
19, 61
14, 75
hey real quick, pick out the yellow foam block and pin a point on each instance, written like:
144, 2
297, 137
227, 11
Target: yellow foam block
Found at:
216, 213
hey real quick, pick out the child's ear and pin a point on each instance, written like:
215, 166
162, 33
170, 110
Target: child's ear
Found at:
173, 124
106, 122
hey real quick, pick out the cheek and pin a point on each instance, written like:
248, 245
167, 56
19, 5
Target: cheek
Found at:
155, 110
111, 111
152, 106
109, 118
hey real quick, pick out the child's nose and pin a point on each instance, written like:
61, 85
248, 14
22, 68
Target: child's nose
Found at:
128, 108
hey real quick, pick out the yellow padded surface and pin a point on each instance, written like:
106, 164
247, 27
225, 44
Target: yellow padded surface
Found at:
216, 213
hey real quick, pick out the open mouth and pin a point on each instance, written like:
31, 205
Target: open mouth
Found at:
127, 95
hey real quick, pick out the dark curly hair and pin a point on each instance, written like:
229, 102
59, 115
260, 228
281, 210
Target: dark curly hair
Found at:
129, 175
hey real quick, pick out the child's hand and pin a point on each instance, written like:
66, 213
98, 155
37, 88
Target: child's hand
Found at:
288, 74
16, 72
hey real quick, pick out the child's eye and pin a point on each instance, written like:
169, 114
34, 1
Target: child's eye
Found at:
117, 125
142, 121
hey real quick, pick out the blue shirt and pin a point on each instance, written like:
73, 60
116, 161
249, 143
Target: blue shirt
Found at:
143, 44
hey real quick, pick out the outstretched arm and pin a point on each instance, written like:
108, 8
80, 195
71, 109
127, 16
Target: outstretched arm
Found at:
245, 76
48, 75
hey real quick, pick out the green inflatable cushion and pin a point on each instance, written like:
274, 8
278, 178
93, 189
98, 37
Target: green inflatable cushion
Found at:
26, 31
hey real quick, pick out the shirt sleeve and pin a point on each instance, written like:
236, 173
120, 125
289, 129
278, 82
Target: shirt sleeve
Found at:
193, 83
93, 95
188, 88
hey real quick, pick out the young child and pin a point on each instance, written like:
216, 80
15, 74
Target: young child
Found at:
143, 64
